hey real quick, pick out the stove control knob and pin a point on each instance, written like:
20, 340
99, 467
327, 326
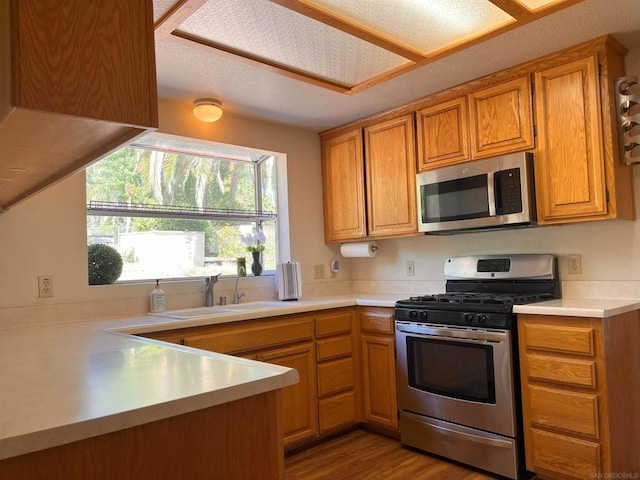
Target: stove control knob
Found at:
468, 317
482, 318
423, 315
413, 314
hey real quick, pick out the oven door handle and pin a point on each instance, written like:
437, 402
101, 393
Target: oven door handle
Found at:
450, 334
474, 438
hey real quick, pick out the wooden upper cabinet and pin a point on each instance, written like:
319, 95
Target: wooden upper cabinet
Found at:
484, 123
343, 187
77, 81
390, 166
579, 175
443, 134
570, 172
501, 118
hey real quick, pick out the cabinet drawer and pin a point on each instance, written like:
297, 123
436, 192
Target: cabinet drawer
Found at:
562, 370
568, 456
253, 337
376, 321
564, 410
334, 347
560, 338
335, 323
337, 411
335, 376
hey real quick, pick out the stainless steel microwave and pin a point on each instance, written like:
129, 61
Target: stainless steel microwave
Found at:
492, 193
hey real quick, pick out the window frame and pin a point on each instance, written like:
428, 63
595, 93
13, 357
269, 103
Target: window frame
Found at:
280, 216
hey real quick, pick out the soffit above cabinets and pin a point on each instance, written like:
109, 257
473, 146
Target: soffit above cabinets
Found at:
343, 46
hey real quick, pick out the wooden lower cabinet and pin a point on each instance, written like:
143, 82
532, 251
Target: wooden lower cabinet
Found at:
235, 440
565, 455
579, 393
321, 346
286, 341
345, 358
336, 369
377, 343
299, 413
337, 411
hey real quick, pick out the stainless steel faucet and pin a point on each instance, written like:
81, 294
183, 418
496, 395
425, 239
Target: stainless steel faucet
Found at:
208, 290
237, 296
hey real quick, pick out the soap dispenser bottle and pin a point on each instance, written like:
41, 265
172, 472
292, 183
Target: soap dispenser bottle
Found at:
157, 299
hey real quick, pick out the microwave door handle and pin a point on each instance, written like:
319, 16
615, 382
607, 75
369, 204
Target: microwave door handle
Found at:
491, 194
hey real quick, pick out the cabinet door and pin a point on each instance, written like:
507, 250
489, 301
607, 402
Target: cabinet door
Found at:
299, 414
379, 380
77, 81
337, 411
343, 187
443, 134
391, 182
570, 174
501, 119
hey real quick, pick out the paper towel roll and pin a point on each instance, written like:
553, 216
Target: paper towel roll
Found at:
359, 249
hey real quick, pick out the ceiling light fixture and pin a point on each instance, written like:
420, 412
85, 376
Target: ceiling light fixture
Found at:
207, 109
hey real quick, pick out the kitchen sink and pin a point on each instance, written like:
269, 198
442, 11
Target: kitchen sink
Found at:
196, 312
201, 312
259, 305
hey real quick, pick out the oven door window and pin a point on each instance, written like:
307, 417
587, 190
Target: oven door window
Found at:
452, 200
453, 369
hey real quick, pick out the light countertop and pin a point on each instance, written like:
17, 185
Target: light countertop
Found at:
69, 381
581, 307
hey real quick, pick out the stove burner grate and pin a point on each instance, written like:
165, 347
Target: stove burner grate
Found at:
478, 299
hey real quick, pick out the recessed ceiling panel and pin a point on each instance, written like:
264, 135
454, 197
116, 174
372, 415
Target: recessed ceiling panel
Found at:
536, 4
424, 25
279, 35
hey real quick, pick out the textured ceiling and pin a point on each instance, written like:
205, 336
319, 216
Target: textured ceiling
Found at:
285, 37
186, 73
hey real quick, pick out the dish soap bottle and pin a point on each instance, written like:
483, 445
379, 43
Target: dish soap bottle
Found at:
157, 299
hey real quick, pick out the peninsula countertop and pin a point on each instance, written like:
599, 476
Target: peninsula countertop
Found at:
70, 381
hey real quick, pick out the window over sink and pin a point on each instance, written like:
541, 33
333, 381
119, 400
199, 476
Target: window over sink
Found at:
177, 207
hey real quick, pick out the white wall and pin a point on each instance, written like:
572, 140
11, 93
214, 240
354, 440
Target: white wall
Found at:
46, 234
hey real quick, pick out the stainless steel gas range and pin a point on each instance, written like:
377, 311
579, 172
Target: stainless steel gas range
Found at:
457, 360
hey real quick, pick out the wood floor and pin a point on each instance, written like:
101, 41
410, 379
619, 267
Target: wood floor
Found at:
365, 455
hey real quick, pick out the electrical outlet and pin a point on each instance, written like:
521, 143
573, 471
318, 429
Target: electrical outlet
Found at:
575, 263
411, 268
318, 272
45, 286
